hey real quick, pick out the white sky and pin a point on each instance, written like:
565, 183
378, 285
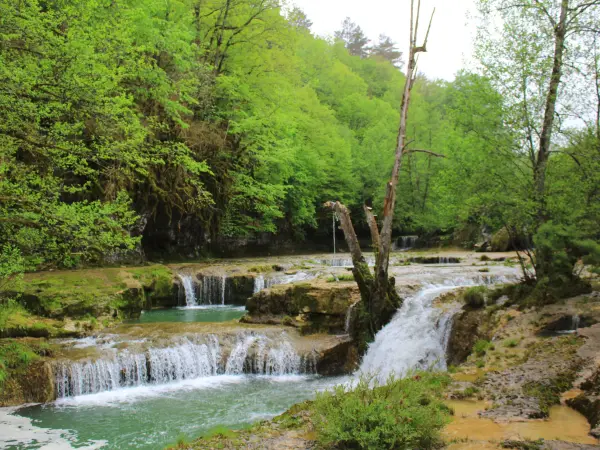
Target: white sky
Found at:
450, 41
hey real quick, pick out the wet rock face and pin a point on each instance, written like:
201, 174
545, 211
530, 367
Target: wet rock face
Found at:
339, 360
313, 307
468, 327
35, 385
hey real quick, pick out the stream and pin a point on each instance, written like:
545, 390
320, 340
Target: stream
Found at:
129, 400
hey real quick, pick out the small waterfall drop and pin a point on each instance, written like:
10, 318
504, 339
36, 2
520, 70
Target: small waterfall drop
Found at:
259, 283
575, 320
192, 358
348, 321
416, 338
406, 242
223, 286
190, 289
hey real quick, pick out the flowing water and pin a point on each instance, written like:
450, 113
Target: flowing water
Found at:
416, 337
147, 399
264, 282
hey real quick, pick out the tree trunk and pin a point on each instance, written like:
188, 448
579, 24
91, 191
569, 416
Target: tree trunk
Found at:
379, 299
539, 173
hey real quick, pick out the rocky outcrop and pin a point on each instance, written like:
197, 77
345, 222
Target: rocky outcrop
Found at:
311, 307
588, 402
33, 385
469, 326
341, 359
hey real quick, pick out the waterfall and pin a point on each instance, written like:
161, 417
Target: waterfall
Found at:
190, 289
223, 285
348, 321
406, 242
345, 262
192, 358
575, 320
416, 338
259, 283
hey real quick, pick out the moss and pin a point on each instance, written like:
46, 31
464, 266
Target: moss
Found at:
261, 269
24, 376
96, 292
481, 347
475, 296
343, 277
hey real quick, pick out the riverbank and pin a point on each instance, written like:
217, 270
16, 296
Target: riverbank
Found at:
531, 381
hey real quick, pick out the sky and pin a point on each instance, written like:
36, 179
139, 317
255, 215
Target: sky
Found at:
450, 41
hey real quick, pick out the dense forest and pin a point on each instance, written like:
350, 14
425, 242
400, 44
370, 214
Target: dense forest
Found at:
186, 126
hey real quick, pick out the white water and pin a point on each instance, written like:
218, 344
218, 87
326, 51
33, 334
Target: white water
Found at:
406, 242
188, 360
209, 290
261, 282
417, 336
190, 290
348, 320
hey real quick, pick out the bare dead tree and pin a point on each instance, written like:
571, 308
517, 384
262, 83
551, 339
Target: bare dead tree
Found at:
379, 299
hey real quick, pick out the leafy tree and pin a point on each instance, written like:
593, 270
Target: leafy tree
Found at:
354, 38
387, 49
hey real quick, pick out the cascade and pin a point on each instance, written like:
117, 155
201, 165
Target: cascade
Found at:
575, 320
418, 334
344, 262
213, 289
260, 282
406, 242
223, 285
194, 357
189, 288
349, 318
210, 290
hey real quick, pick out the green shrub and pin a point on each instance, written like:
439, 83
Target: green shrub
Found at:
343, 277
287, 321
480, 364
475, 296
484, 258
484, 270
402, 414
481, 347
510, 343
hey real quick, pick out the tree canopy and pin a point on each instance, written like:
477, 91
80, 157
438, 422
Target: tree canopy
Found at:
181, 125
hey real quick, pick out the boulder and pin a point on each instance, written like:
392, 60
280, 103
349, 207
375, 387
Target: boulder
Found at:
468, 327
315, 307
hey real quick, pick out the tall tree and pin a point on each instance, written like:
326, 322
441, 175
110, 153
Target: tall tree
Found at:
298, 19
387, 49
528, 57
379, 299
354, 38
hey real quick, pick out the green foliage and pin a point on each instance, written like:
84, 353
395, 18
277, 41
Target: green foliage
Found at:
341, 277
510, 343
12, 266
481, 347
475, 296
403, 413
16, 355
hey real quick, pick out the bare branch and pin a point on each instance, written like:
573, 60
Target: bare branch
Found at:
429, 152
373, 227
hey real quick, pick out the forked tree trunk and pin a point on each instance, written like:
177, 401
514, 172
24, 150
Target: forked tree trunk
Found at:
379, 299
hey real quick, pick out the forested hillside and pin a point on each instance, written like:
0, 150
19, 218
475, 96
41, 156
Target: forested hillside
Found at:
183, 127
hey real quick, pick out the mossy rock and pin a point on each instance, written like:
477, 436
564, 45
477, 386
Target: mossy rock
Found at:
320, 307
25, 374
98, 292
500, 241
